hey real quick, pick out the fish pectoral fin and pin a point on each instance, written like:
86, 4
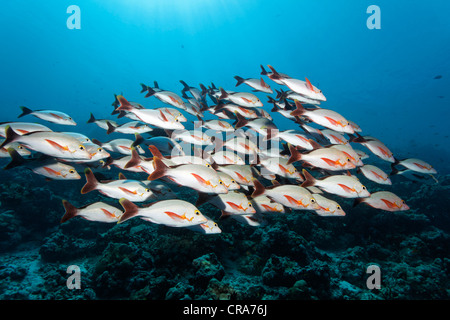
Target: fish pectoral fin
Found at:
107, 213
234, 205
348, 189
201, 180
57, 145
175, 216
390, 204
127, 190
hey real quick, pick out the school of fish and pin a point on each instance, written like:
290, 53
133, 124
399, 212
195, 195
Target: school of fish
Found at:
237, 160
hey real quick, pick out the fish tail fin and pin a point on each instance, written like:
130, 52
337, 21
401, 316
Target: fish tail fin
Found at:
225, 215
144, 88
357, 139
258, 188
97, 142
155, 83
111, 128
25, 111
71, 211
10, 136
280, 94
155, 151
130, 210
263, 71
138, 139
91, 181
150, 92
241, 121
204, 90
309, 179
393, 167
295, 154
198, 123
107, 162
299, 110
223, 94
358, 201
239, 80
16, 159
91, 118
185, 85
275, 75
134, 160
123, 103
202, 198
160, 169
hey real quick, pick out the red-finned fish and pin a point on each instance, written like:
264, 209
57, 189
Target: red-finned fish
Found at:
242, 174
328, 207
49, 115
166, 97
45, 166
55, 144
233, 202
21, 150
264, 204
98, 211
123, 188
22, 127
131, 127
296, 138
244, 99
291, 196
256, 84
346, 186
172, 213
384, 200
291, 95
195, 176
304, 88
327, 158
414, 164
280, 167
374, 174
325, 117
102, 123
122, 146
228, 181
334, 137
225, 157
377, 147
348, 150
193, 137
215, 124
271, 76
154, 117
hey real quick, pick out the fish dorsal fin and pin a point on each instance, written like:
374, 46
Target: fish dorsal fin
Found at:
263, 84
309, 85
122, 176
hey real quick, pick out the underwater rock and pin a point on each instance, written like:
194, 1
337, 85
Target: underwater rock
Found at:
280, 271
207, 267
181, 291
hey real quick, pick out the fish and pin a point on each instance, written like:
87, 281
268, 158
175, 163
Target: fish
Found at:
291, 196
165, 145
22, 127
197, 94
79, 136
102, 123
195, 176
17, 147
384, 200
304, 88
296, 138
325, 117
131, 127
348, 150
377, 147
133, 190
176, 160
328, 207
165, 96
154, 117
51, 143
228, 181
97, 211
244, 99
334, 137
45, 166
279, 166
263, 126
415, 176
209, 227
256, 84
215, 124
276, 79
193, 137
327, 158
122, 146
53, 116
232, 109
225, 157
172, 213
264, 204
242, 174
414, 164
374, 174
233, 202
291, 95
346, 186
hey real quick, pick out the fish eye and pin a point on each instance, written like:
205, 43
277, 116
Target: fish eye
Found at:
99, 149
70, 118
403, 202
147, 190
71, 171
215, 224
250, 204
208, 165
348, 160
176, 120
81, 147
313, 200
19, 147
338, 207
220, 182
232, 181
197, 212
364, 188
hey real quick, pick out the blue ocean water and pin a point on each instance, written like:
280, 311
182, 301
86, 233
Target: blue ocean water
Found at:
393, 82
